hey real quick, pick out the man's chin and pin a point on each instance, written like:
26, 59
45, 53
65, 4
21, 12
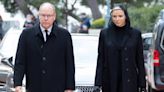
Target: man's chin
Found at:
46, 26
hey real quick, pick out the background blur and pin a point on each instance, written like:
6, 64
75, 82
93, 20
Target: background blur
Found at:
143, 13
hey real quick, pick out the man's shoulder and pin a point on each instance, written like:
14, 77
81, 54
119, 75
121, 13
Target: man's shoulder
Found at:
62, 30
30, 29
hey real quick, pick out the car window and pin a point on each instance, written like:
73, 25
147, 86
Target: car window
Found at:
9, 43
147, 40
161, 14
6, 25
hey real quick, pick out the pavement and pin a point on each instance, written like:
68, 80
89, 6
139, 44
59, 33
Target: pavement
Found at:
94, 31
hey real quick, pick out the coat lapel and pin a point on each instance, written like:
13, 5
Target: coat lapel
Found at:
39, 38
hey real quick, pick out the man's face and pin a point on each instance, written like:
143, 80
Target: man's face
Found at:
46, 16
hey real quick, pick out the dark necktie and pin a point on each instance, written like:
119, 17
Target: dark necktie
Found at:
46, 34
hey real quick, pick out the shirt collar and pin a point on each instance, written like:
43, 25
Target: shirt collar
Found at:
43, 29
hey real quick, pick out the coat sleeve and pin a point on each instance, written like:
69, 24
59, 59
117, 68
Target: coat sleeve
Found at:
70, 66
100, 59
19, 68
140, 63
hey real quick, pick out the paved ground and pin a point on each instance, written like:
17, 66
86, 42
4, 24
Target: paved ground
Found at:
94, 31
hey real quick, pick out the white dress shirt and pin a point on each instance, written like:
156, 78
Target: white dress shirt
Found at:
44, 33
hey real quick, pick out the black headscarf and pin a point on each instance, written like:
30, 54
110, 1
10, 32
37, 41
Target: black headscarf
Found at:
127, 20
119, 32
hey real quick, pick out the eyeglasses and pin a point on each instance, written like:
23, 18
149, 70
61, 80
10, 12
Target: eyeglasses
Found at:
46, 15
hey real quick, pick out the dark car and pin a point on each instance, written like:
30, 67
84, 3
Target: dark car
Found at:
155, 63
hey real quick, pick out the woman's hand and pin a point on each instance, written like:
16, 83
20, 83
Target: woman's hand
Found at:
18, 89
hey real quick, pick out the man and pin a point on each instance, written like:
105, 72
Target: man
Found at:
45, 56
85, 23
30, 20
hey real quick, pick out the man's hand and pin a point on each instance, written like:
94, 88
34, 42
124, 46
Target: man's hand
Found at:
18, 89
68, 90
142, 89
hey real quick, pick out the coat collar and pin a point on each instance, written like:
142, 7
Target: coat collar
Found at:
54, 31
39, 35
111, 35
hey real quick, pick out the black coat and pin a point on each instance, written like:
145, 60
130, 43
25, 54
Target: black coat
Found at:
48, 66
129, 59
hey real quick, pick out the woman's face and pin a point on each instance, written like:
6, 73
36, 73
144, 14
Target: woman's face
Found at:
118, 17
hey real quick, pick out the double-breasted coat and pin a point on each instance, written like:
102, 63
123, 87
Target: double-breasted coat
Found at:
48, 66
132, 63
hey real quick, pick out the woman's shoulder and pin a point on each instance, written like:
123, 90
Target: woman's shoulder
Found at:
104, 30
135, 32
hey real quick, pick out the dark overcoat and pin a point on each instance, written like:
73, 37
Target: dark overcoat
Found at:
48, 66
132, 62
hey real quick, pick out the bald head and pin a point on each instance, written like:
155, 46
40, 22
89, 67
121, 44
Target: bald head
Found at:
47, 5
47, 14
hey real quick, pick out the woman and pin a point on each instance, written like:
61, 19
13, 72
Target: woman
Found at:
120, 64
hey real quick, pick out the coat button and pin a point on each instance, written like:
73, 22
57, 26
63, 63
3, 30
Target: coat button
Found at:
44, 58
126, 59
125, 48
127, 69
41, 46
128, 80
43, 71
